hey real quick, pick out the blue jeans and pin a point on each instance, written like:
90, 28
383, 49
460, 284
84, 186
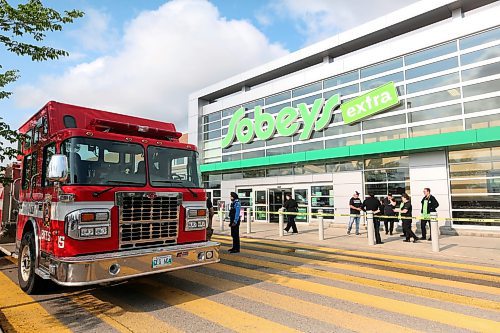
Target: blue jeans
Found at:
353, 219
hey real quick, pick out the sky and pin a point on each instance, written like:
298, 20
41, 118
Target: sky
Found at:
144, 57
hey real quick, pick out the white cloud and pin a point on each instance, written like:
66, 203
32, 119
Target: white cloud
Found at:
163, 56
96, 34
320, 19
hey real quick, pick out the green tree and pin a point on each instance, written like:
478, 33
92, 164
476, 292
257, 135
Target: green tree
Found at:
23, 29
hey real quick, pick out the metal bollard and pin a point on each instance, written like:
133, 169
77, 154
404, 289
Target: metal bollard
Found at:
221, 220
434, 232
321, 225
281, 220
370, 227
249, 221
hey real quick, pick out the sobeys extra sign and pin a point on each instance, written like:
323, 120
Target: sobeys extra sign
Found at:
315, 118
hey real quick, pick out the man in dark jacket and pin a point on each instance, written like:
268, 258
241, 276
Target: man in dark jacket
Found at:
234, 222
390, 215
291, 206
429, 205
373, 204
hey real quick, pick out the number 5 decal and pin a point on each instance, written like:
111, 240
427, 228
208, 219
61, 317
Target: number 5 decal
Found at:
60, 242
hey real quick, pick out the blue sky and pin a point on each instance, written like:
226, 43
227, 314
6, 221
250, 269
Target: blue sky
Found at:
145, 57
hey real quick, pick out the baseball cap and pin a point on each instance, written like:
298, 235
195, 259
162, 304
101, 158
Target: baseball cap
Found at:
356, 192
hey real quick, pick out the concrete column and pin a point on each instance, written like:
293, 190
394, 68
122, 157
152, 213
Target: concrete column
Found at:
344, 185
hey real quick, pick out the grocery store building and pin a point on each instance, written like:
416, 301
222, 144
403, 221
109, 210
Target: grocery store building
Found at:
407, 101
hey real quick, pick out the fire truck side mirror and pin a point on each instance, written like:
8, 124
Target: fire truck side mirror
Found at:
58, 168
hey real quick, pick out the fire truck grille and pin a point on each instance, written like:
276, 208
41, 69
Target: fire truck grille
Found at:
148, 219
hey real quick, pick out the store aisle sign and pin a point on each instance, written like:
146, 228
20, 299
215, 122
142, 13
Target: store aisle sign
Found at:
369, 104
289, 120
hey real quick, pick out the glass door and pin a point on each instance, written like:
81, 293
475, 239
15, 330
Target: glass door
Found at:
276, 201
245, 196
261, 214
301, 196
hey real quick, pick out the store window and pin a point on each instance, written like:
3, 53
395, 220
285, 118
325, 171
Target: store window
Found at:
482, 105
322, 198
436, 128
481, 38
480, 55
386, 175
433, 52
340, 79
481, 88
492, 120
475, 185
303, 203
383, 67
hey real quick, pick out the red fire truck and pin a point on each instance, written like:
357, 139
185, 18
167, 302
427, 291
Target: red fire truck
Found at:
105, 197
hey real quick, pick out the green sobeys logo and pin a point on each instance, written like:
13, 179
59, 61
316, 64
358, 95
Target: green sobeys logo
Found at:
316, 118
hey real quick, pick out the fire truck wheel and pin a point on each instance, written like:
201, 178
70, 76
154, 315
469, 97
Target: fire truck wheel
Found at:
28, 280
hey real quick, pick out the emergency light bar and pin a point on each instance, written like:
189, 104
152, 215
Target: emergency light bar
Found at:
132, 129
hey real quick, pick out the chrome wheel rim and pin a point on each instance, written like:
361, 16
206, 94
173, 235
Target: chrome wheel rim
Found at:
25, 263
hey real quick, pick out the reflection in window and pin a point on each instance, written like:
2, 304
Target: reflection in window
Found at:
252, 105
212, 135
342, 142
259, 173
340, 79
433, 52
375, 83
481, 38
481, 88
399, 119
279, 151
482, 122
385, 136
441, 112
232, 176
309, 169
279, 172
308, 146
344, 166
432, 83
342, 129
480, 55
383, 67
276, 108
212, 126
211, 117
278, 97
437, 97
434, 67
482, 105
254, 154
481, 71
233, 157
349, 90
306, 90
277, 140
387, 162
438, 128
253, 144
307, 100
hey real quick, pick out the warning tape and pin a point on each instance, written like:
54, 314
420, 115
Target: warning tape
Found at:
427, 218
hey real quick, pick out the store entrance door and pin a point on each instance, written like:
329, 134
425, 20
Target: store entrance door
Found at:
276, 201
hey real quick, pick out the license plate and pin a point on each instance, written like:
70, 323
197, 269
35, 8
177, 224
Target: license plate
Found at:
162, 261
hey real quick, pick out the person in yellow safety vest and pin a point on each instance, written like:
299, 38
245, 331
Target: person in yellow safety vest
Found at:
429, 205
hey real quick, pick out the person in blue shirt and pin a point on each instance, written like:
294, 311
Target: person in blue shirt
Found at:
234, 222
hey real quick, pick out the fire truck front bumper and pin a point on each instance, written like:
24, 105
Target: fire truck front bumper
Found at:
109, 267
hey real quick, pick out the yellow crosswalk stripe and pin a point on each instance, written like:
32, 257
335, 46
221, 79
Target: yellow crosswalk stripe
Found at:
468, 275
487, 269
223, 315
386, 304
120, 315
351, 321
22, 313
390, 286
321, 261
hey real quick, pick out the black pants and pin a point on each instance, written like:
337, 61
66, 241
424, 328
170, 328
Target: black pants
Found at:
291, 224
235, 233
423, 224
407, 230
376, 222
389, 221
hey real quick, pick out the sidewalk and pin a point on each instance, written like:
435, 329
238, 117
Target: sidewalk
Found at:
478, 250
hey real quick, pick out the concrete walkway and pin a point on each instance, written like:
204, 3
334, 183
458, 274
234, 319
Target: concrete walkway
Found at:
468, 249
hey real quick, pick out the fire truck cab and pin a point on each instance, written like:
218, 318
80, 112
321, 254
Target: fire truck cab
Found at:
105, 197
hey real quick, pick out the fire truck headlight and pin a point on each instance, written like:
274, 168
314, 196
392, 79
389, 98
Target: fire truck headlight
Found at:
86, 232
88, 224
101, 231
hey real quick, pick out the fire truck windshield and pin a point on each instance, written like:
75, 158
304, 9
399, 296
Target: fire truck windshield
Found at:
169, 167
104, 162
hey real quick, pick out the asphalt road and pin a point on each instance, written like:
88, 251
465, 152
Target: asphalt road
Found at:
271, 287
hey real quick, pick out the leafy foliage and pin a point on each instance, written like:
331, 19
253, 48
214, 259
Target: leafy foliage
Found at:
22, 29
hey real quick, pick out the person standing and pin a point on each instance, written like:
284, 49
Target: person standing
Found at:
373, 204
291, 206
234, 222
355, 206
210, 208
429, 205
389, 204
405, 211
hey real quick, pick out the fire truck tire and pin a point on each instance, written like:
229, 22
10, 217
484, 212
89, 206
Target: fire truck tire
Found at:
28, 280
